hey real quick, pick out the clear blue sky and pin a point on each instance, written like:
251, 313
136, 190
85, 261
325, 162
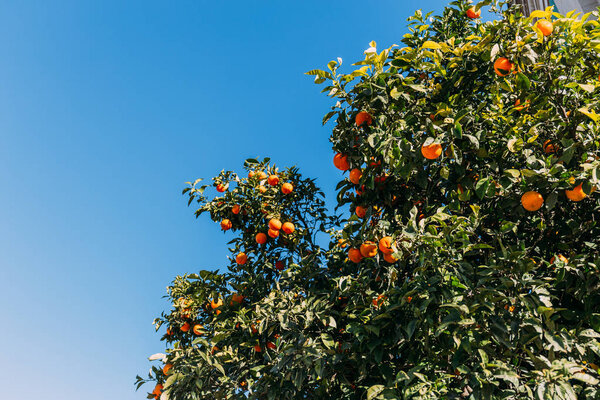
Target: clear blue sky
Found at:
107, 108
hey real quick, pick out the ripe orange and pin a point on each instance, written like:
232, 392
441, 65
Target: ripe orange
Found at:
257, 348
561, 258
520, 107
241, 258
167, 368
287, 188
216, 304
226, 225
532, 201
360, 211
279, 265
432, 151
386, 245
390, 258
355, 175
378, 301
341, 162
473, 14
545, 27
235, 209
185, 327
354, 255
271, 345
261, 238
273, 233
368, 249
157, 389
198, 329
262, 189
262, 175
363, 117
576, 194
288, 227
250, 174
273, 180
221, 188
169, 331
237, 298
342, 243
549, 147
503, 66
275, 224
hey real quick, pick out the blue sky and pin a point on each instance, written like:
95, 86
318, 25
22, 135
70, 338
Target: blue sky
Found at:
106, 109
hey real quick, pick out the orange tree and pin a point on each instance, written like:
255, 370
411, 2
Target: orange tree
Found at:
468, 266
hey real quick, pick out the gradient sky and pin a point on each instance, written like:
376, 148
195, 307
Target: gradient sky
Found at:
106, 109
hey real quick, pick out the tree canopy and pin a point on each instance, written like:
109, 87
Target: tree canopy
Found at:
464, 262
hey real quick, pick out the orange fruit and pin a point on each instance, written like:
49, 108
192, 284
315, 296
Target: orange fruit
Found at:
271, 345
360, 211
257, 348
261, 175
473, 13
273, 180
169, 331
532, 201
243, 384
236, 298
288, 227
216, 304
275, 224
355, 175
287, 188
390, 258
545, 27
342, 243
250, 174
368, 249
221, 188
235, 209
520, 107
198, 329
261, 238
280, 265
363, 117
214, 350
432, 151
503, 66
378, 301
262, 189
185, 327
354, 255
157, 389
386, 245
549, 147
576, 194
273, 233
561, 258
408, 299
241, 258
167, 368
381, 178
226, 225
341, 162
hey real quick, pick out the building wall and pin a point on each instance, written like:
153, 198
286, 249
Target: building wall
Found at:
563, 6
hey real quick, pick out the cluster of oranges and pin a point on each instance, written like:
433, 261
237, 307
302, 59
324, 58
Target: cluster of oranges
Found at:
261, 177
369, 249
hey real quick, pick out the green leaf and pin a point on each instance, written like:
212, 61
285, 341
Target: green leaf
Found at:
374, 391
431, 45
